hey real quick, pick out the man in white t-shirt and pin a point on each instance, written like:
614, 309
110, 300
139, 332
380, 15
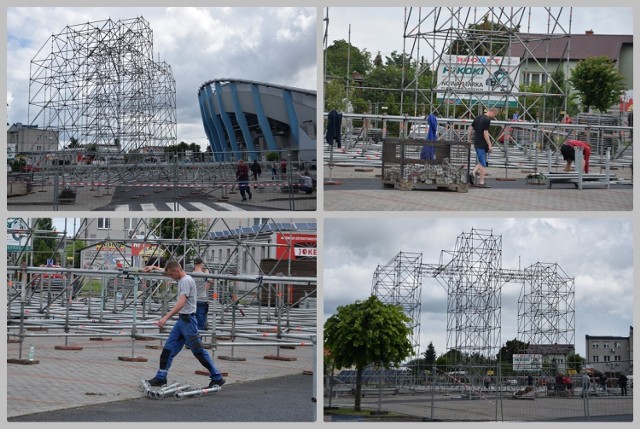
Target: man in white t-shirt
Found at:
185, 331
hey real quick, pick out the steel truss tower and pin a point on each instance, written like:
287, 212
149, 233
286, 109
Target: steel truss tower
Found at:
99, 84
546, 311
432, 34
399, 282
473, 277
472, 280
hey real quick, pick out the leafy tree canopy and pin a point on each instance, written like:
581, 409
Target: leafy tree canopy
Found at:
177, 228
597, 82
45, 241
368, 332
510, 348
483, 38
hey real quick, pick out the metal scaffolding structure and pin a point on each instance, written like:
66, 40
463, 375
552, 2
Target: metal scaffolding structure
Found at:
103, 300
546, 309
473, 276
487, 32
399, 282
98, 83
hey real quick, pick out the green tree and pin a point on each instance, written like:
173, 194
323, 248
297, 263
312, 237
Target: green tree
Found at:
556, 85
510, 348
339, 54
180, 229
367, 332
73, 252
335, 93
597, 82
430, 355
575, 361
484, 38
73, 143
45, 241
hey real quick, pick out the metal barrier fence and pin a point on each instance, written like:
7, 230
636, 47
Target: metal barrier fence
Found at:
173, 183
478, 394
54, 298
515, 143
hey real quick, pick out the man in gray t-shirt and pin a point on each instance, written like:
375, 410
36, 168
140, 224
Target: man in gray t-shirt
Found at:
185, 331
203, 285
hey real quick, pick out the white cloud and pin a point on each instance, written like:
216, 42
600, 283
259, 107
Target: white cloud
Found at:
275, 45
382, 28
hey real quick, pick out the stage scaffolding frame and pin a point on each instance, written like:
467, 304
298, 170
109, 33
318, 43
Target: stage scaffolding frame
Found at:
61, 299
440, 27
400, 283
98, 83
473, 277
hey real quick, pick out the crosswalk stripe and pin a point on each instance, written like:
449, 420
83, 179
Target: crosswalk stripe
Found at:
148, 207
189, 207
203, 207
229, 207
193, 206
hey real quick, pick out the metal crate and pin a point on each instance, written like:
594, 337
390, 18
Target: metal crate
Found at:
402, 167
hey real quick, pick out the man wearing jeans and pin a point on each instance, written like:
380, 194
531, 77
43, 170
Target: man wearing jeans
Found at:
185, 331
242, 175
482, 144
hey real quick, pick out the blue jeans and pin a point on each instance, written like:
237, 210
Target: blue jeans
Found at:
185, 331
201, 315
482, 157
244, 187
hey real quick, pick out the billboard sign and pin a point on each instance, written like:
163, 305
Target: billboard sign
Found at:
473, 79
527, 362
303, 246
105, 255
11, 151
18, 236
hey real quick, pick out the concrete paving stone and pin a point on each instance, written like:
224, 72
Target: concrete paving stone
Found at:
68, 379
363, 191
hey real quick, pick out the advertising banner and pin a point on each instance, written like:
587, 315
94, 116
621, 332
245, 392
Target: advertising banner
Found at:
18, 236
472, 79
528, 362
303, 246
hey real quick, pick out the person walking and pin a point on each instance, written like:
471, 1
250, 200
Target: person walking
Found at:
256, 169
242, 175
185, 330
622, 382
482, 144
203, 285
603, 383
586, 384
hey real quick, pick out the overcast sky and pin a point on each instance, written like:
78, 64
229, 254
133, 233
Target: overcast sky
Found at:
597, 253
274, 45
382, 28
